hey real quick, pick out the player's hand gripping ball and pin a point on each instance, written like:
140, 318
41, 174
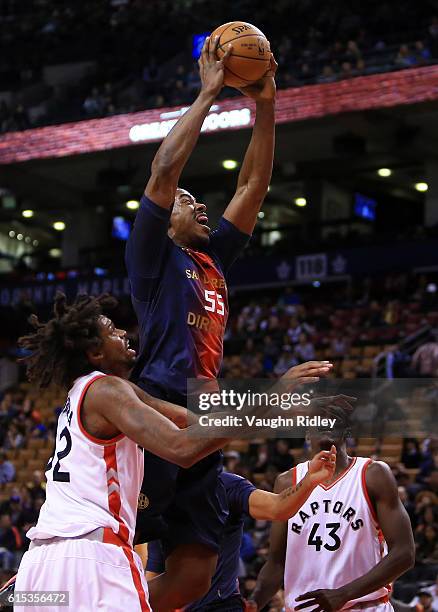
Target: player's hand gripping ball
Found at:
250, 58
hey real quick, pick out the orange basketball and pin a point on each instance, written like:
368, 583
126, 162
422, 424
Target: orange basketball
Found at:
251, 54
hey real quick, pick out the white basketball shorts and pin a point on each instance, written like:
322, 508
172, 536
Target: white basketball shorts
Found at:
97, 576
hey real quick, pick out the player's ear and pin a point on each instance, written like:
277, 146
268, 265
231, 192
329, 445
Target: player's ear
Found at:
95, 355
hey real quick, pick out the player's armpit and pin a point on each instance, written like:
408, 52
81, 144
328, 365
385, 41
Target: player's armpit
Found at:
270, 578
114, 401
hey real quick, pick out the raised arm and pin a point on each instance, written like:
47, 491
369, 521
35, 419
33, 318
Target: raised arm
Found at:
255, 174
146, 247
178, 145
264, 505
270, 578
112, 406
397, 531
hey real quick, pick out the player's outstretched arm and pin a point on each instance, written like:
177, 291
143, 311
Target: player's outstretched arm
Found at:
178, 145
255, 174
397, 531
264, 505
111, 406
270, 578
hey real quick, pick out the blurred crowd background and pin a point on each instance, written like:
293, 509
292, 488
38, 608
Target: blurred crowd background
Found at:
134, 52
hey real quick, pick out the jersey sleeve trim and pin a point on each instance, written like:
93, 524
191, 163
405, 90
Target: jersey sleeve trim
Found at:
366, 493
89, 436
294, 476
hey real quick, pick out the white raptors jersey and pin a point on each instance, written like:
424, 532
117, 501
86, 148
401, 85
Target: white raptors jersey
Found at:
91, 483
334, 538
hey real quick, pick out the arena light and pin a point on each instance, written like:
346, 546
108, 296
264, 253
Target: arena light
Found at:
229, 164
261, 214
300, 201
27, 214
12, 234
422, 187
28, 240
59, 226
35, 243
132, 204
384, 172
20, 236
55, 252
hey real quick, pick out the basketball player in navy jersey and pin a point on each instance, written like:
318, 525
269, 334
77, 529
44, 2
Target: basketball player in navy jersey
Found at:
177, 267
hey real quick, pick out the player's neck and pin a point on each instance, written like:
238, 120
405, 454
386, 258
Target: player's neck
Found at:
121, 371
342, 462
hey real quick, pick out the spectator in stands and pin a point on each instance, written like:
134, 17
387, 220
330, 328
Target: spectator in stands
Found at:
282, 458
425, 360
423, 499
14, 437
271, 473
427, 545
93, 104
422, 53
7, 470
346, 71
328, 75
270, 353
304, 351
360, 69
352, 52
10, 541
432, 481
38, 486
38, 430
404, 59
340, 346
262, 459
423, 601
286, 360
411, 455
296, 329
432, 591
231, 460
427, 466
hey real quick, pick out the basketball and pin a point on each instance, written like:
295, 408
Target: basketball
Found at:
251, 53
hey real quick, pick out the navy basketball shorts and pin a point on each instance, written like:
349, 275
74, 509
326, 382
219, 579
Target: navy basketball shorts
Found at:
199, 510
181, 506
